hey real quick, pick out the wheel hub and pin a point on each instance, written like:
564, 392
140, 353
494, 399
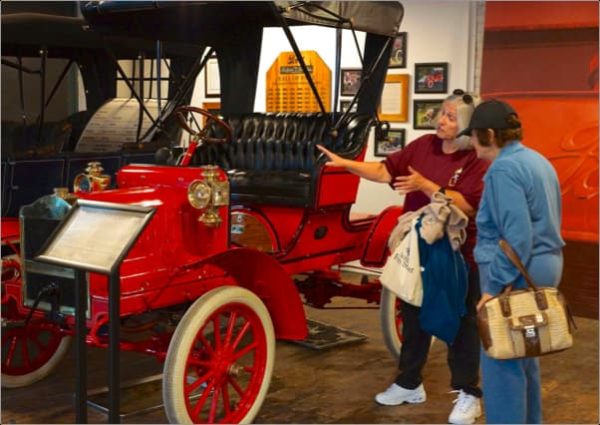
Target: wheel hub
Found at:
223, 362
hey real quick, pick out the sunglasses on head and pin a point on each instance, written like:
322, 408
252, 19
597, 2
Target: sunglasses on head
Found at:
467, 98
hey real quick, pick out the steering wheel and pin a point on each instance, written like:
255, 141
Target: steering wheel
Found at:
202, 133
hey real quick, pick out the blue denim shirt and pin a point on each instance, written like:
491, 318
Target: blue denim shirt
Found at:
521, 203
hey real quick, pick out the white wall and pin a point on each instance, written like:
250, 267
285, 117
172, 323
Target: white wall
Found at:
274, 42
438, 31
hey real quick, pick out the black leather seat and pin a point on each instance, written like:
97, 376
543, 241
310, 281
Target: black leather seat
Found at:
272, 158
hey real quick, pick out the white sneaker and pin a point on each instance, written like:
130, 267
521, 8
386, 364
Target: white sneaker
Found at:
396, 395
467, 408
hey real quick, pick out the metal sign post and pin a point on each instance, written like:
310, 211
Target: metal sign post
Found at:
81, 242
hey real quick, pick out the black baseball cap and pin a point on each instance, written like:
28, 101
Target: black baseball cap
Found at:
490, 114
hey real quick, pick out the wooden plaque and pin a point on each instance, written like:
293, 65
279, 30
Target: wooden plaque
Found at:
288, 89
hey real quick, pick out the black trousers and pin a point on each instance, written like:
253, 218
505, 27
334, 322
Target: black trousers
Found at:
463, 355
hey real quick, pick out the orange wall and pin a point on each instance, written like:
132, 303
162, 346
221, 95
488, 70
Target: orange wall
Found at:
540, 15
543, 58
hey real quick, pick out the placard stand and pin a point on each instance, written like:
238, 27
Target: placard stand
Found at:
83, 242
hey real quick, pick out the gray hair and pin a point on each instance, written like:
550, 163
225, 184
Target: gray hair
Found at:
465, 102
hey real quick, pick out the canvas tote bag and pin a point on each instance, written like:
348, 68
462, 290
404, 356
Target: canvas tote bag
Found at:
402, 272
524, 323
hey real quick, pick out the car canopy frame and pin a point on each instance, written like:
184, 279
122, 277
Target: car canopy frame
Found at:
234, 30
46, 36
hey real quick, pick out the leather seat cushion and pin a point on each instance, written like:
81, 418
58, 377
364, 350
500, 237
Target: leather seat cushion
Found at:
273, 159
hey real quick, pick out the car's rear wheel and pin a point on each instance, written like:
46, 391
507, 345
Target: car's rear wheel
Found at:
30, 353
391, 321
220, 359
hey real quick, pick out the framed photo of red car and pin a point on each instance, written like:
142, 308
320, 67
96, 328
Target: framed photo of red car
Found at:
425, 113
431, 77
398, 56
393, 106
395, 141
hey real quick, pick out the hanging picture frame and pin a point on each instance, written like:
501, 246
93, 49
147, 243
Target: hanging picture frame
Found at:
425, 112
431, 77
395, 141
212, 107
345, 105
350, 81
398, 56
393, 105
212, 81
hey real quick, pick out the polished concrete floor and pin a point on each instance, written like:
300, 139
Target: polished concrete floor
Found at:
334, 386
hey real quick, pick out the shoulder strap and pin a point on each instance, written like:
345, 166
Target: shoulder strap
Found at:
514, 258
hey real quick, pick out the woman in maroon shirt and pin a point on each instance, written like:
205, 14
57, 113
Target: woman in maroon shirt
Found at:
431, 163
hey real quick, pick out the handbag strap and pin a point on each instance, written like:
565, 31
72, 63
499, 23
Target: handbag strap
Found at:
514, 258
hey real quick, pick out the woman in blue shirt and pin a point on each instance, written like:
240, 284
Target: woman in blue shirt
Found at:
521, 203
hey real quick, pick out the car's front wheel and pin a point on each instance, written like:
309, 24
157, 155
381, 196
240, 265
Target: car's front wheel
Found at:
220, 359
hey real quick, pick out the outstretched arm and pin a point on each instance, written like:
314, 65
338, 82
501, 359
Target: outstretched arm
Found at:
374, 171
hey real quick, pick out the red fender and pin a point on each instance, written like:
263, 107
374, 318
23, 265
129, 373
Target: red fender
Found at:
376, 252
266, 278
9, 228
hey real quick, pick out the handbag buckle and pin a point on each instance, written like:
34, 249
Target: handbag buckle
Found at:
530, 332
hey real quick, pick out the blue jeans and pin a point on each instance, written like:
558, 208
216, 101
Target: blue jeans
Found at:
512, 388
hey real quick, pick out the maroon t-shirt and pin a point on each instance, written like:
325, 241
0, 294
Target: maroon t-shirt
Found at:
460, 171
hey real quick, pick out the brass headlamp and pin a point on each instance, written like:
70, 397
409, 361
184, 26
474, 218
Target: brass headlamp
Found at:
209, 194
92, 180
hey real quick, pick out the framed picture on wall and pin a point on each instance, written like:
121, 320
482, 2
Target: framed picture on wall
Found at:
431, 77
212, 81
425, 112
212, 107
345, 105
350, 81
395, 142
398, 56
393, 106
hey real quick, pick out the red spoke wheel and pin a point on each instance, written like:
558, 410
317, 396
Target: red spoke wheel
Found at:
220, 359
11, 270
30, 353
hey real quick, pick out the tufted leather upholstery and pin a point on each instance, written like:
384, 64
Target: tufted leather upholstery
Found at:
272, 158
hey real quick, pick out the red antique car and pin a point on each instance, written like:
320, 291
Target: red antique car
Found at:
247, 220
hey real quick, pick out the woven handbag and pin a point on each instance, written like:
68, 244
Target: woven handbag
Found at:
525, 323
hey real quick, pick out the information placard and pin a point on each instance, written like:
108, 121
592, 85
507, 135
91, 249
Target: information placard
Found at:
96, 236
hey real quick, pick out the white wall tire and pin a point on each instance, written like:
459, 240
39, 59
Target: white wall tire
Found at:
231, 367
30, 354
391, 322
